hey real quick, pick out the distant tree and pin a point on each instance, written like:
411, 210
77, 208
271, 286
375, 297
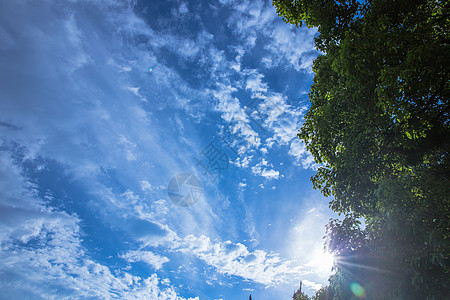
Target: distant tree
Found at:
299, 295
323, 294
379, 126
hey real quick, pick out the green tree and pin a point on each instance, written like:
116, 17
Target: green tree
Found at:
325, 293
379, 126
299, 295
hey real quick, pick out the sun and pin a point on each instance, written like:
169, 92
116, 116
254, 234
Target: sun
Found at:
322, 261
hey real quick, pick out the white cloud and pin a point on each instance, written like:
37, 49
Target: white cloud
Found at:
183, 9
250, 19
311, 285
235, 259
75, 37
294, 45
267, 62
228, 105
302, 156
243, 161
134, 90
281, 118
88, 122
270, 174
233, 113
255, 83
150, 258
287, 45
129, 148
148, 187
263, 168
270, 110
41, 247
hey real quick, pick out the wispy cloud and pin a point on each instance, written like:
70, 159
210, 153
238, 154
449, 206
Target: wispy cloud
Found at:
235, 259
154, 260
93, 108
263, 168
40, 245
302, 156
239, 123
287, 46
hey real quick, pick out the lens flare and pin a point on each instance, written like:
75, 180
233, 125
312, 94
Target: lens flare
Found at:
357, 290
150, 69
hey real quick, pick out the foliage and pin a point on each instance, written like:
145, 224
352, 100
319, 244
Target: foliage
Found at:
299, 295
323, 294
379, 125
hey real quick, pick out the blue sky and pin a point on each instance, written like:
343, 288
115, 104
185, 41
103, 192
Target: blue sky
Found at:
102, 103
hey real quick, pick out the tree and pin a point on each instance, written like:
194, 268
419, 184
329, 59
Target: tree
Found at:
379, 126
299, 295
324, 293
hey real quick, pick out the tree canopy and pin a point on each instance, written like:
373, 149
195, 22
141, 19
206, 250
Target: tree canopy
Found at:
379, 127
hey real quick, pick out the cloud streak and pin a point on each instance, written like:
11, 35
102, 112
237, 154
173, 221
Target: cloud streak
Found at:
235, 259
81, 108
42, 254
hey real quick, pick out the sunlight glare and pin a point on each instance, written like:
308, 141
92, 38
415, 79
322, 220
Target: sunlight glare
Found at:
323, 261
